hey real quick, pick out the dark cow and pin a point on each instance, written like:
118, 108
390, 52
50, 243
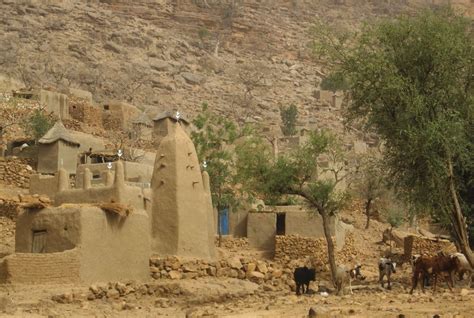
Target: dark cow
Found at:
386, 268
303, 276
436, 265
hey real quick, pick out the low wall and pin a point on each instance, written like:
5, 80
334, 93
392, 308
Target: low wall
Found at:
420, 245
15, 172
41, 268
258, 271
294, 247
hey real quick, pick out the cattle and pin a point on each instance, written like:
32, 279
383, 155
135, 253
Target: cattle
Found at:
435, 265
344, 276
463, 267
386, 268
426, 276
303, 276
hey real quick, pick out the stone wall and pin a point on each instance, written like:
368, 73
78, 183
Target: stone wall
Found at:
41, 268
421, 245
15, 172
8, 209
85, 112
233, 244
272, 274
294, 247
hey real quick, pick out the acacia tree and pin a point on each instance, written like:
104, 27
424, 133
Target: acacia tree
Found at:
296, 173
212, 139
411, 82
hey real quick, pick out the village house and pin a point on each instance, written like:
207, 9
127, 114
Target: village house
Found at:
57, 149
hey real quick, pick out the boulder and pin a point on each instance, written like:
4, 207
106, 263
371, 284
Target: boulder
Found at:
193, 79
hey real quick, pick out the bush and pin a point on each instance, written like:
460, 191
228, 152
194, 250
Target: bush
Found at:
288, 117
38, 124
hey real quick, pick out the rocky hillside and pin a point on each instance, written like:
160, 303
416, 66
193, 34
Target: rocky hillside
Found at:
244, 57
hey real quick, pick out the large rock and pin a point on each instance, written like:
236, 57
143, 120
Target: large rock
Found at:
194, 79
175, 275
235, 263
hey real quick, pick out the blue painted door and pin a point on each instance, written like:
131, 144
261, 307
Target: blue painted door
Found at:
224, 221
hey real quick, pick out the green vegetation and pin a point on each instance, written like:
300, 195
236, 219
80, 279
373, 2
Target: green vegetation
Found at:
213, 139
296, 173
335, 82
288, 116
38, 124
369, 183
411, 82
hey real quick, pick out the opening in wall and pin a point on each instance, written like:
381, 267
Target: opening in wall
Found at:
281, 223
39, 241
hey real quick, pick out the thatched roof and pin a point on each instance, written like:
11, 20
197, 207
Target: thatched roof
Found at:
143, 119
171, 115
58, 132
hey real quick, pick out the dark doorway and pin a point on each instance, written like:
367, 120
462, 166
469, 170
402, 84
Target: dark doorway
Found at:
281, 224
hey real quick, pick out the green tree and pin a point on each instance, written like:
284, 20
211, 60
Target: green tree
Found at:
213, 139
369, 183
394, 217
296, 173
38, 124
411, 82
288, 115
335, 82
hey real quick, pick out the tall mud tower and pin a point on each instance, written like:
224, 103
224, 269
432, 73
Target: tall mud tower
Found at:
182, 216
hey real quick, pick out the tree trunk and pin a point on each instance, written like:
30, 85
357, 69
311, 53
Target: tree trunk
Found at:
367, 212
330, 243
458, 220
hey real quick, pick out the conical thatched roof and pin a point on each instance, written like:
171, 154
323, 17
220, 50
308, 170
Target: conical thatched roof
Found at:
58, 132
171, 115
143, 119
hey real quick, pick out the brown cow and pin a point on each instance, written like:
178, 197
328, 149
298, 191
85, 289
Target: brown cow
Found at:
434, 266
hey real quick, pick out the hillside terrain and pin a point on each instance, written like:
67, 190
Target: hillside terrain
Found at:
245, 60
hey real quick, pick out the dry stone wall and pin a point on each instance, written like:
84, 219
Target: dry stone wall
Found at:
420, 245
290, 248
233, 244
81, 110
264, 272
15, 172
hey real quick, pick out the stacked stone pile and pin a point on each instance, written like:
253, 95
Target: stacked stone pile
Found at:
264, 272
15, 172
289, 248
422, 245
233, 244
8, 208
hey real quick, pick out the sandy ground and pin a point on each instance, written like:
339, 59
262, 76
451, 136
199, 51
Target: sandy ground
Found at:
214, 297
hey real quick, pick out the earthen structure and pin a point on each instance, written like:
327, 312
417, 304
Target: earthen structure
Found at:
58, 149
181, 208
117, 115
108, 225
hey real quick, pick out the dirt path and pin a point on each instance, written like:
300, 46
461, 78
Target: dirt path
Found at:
237, 299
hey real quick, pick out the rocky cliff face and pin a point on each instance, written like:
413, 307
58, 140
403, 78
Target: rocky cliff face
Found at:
245, 58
